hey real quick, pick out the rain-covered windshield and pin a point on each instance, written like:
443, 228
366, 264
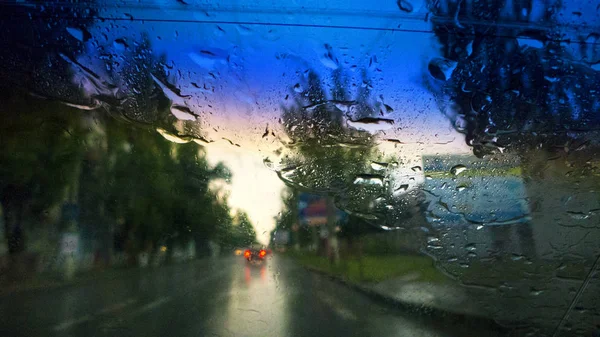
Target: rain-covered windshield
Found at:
303, 168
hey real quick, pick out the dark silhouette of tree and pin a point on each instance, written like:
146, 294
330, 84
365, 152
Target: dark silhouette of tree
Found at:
41, 146
36, 37
40, 138
141, 98
133, 189
327, 156
243, 232
508, 95
512, 87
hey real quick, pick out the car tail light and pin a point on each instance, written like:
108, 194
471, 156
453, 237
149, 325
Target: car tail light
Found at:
262, 253
247, 254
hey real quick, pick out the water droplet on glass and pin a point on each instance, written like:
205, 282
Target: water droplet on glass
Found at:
458, 169
416, 168
441, 69
530, 42
244, 30
80, 34
405, 6
120, 44
170, 91
469, 48
172, 138
371, 124
208, 59
403, 188
432, 239
343, 106
580, 215
461, 187
460, 123
298, 88
535, 292
182, 113
516, 257
329, 61
99, 86
368, 179
378, 166
470, 247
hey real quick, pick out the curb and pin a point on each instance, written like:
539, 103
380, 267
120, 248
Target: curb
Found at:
444, 315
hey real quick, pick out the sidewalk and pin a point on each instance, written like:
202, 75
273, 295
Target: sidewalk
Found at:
534, 305
442, 296
419, 306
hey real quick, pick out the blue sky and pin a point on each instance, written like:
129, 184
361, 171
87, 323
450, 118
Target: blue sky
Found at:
238, 61
253, 55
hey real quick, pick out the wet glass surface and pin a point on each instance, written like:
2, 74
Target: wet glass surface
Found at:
334, 168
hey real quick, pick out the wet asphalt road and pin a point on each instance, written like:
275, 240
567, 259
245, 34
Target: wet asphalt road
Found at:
222, 297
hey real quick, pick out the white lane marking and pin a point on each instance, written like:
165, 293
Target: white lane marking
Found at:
86, 318
340, 310
148, 307
72, 322
116, 307
151, 306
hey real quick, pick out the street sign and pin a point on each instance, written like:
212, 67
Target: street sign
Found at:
69, 243
312, 210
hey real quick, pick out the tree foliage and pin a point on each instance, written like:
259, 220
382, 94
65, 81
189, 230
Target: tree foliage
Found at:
134, 189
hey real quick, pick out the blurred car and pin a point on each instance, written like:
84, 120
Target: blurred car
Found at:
255, 256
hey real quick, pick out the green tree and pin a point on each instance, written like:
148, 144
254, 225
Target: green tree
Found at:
243, 232
140, 97
329, 157
200, 212
40, 138
141, 190
41, 143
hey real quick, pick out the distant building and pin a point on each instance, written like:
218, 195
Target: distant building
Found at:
480, 205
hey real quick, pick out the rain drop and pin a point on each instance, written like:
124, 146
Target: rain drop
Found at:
405, 6
470, 247
182, 113
120, 44
368, 179
458, 169
403, 188
371, 125
80, 34
535, 292
441, 69
378, 166
461, 187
